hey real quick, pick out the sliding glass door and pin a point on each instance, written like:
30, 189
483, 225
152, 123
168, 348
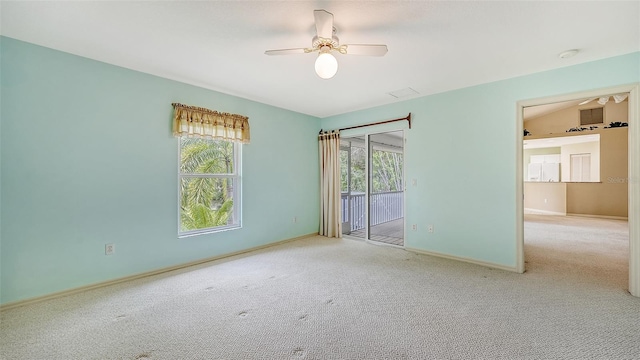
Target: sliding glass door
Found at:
372, 181
386, 185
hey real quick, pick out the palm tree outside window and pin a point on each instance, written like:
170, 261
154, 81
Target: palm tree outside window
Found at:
209, 168
209, 184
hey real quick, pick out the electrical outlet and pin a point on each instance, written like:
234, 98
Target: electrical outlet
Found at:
295, 219
414, 182
430, 228
414, 227
109, 249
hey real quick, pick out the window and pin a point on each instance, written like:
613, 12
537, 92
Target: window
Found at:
209, 186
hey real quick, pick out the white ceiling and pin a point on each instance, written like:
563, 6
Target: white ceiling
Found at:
433, 46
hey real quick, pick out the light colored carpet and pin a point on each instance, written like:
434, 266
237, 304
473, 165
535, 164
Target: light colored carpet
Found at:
321, 298
584, 249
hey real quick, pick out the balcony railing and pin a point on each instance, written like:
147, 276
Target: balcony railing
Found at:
385, 207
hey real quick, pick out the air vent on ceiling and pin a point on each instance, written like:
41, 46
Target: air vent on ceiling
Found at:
403, 93
591, 116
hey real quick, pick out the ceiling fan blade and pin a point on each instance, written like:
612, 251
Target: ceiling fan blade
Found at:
587, 101
369, 50
287, 51
324, 23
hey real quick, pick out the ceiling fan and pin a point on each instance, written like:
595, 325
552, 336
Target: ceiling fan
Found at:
618, 98
326, 42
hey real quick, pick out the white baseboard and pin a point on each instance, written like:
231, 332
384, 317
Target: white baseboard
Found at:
80, 289
528, 211
463, 259
600, 216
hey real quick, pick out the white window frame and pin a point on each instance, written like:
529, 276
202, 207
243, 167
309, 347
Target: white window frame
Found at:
237, 191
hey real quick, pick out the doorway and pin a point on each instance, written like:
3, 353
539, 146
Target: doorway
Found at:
571, 205
372, 184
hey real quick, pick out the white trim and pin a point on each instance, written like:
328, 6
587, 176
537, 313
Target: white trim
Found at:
404, 189
217, 176
528, 211
367, 187
542, 212
634, 191
519, 188
463, 259
599, 216
102, 284
634, 173
206, 231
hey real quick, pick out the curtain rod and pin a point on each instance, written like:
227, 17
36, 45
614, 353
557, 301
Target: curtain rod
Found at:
408, 118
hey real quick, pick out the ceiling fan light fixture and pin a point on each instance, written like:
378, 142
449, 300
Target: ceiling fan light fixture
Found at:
326, 64
325, 41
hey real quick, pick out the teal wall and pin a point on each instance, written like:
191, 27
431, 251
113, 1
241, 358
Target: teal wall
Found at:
462, 152
88, 158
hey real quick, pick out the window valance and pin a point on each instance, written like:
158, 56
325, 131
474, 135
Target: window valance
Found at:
195, 121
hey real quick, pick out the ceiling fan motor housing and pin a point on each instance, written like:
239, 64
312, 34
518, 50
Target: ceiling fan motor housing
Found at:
319, 42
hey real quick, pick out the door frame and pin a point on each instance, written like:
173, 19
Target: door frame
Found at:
348, 222
633, 173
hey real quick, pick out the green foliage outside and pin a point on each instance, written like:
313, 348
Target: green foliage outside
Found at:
387, 170
358, 175
205, 201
